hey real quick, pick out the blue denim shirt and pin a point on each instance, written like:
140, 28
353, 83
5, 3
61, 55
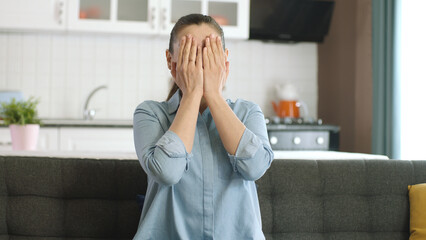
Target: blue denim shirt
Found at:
205, 194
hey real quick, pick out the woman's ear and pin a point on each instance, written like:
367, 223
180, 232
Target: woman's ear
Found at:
171, 65
169, 59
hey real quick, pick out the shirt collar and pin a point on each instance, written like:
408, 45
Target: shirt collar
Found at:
174, 102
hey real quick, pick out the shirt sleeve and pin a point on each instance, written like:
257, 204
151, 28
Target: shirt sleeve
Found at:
161, 153
254, 154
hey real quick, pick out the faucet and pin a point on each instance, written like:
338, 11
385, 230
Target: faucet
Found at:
89, 114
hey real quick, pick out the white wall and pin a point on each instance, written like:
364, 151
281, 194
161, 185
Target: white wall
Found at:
61, 69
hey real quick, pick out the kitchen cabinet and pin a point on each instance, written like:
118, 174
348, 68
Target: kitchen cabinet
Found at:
152, 17
232, 15
96, 139
47, 141
5, 140
155, 17
116, 16
32, 15
103, 139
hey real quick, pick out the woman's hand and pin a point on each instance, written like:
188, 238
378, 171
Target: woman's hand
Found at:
189, 69
216, 67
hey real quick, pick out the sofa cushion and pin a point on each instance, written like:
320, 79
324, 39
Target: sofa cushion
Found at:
53, 198
417, 195
338, 199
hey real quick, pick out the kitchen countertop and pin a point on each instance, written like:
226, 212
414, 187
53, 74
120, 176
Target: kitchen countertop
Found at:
302, 127
72, 154
128, 123
114, 123
326, 155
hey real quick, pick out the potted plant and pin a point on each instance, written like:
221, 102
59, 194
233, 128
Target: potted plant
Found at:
23, 122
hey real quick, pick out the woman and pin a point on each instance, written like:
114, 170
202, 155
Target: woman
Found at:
201, 153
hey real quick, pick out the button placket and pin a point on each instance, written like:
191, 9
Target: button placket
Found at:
207, 160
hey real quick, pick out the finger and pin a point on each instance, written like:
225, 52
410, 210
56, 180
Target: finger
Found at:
199, 61
187, 50
193, 53
213, 45
181, 47
209, 51
218, 55
220, 48
206, 62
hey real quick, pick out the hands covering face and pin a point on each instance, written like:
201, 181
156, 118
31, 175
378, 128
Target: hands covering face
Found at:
201, 70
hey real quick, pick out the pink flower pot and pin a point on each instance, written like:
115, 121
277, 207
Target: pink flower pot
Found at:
24, 137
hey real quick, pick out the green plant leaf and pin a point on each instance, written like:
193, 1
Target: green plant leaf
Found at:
20, 112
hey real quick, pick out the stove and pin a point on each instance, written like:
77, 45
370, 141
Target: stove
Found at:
302, 134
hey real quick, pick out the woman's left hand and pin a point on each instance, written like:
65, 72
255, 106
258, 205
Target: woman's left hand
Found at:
216, 68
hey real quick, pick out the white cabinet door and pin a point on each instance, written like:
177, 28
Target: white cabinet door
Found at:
232, 15
47, 140
172, 10
32, 15
119, 16
97, 139
5, 140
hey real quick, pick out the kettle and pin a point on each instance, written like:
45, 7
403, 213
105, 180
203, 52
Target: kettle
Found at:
288, 105
286, 108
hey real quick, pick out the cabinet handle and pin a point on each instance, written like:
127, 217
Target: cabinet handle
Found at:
5, 143
152, 17
59, 10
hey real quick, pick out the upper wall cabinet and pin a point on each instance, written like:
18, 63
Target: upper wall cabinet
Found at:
125, 16
32, 15
232, 15
155, 16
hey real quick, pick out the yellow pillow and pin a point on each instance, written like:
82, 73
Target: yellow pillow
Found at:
417, 195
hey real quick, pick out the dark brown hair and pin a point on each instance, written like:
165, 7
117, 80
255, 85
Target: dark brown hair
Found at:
185, 21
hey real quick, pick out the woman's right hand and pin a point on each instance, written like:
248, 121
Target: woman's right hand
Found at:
189, 67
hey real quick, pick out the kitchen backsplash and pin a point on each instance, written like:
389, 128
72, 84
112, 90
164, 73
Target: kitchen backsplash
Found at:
62, 69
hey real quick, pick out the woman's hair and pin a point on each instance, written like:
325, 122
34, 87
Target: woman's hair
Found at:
188, 20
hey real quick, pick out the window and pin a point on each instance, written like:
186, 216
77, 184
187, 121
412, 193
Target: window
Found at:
412, 67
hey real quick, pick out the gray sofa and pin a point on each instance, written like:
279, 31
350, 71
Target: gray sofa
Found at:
54, 198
